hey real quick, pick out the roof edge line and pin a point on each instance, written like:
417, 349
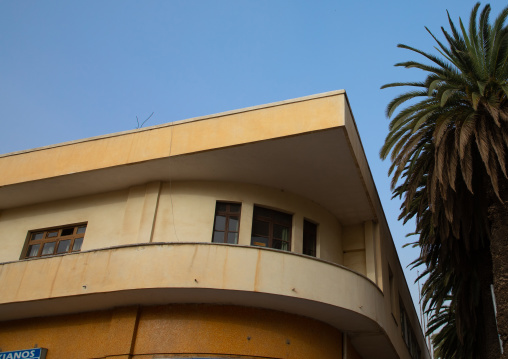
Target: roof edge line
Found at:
179, 122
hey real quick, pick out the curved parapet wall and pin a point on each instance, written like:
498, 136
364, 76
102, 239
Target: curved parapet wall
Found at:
158, 273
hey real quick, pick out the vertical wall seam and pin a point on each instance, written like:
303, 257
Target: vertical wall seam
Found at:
134, 332
156, 211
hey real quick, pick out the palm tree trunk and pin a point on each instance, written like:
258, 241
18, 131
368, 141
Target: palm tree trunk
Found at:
487, 331
498, 218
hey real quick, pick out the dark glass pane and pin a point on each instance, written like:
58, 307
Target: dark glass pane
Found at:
260, 227
221, 207
276, 216
262, 212
218, 237
235, 208
280, 232
282, 217
63, 246
220, 223
309, 250
77, 244
49, 248
67, 232
309, 238
81, 230
309, 229
52, 234
233, 224
277, 244
233, 238
33, 250
259, 241
272, 224
36, 236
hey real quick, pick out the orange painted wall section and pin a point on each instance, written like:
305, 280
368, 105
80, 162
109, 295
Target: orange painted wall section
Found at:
184, 329
227, 329
76, 336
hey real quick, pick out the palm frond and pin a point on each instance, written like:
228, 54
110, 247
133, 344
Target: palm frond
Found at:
448, 143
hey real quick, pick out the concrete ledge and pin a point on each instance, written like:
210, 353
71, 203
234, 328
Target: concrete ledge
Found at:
155, 274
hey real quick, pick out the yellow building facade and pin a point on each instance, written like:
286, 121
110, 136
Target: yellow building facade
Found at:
255, 233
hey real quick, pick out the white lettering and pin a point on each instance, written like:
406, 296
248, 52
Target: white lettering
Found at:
21, 354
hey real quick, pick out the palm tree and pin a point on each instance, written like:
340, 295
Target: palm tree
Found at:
448, 147
452, 294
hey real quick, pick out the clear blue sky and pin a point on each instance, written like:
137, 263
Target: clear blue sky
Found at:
76, 69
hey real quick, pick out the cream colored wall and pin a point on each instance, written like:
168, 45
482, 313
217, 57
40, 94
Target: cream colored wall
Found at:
353, 244
382, 251
361, 249
191, 205
400, 291
193, 266
147, 213
326, 289
104, 214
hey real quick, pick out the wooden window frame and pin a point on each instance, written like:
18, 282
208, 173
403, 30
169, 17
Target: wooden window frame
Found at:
271, 222
46, 237
306, 232
228, 214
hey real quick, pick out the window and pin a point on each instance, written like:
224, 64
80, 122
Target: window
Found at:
393, 292
309, 238
271, 229
227, 223
55, 240
408, 334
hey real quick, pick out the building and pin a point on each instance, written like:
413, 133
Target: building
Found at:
255, 233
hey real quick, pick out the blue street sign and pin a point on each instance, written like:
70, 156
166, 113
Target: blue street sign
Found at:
35, 353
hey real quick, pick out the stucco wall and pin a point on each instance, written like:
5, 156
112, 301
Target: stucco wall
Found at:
354, 248
147, 213
103, 212
175, 329
191, 205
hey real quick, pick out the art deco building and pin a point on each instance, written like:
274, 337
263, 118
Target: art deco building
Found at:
255, 233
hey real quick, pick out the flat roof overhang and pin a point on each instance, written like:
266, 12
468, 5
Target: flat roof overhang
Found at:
307, 146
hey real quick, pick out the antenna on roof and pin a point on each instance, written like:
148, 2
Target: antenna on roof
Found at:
137, 120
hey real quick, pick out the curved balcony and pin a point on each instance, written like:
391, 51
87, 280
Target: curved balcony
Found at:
161, 273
